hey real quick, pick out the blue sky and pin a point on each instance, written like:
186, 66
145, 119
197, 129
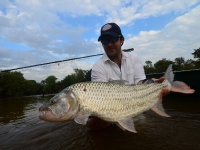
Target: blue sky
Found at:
40, 31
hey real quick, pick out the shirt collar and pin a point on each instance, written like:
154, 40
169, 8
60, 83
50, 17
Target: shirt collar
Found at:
124, 56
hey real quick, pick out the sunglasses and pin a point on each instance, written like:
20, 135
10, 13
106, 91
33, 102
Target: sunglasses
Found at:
111, 40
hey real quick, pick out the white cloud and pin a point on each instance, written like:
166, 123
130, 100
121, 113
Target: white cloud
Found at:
125, 14
46, 29
177, 39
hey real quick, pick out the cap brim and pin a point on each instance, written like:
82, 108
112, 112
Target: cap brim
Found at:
107, 33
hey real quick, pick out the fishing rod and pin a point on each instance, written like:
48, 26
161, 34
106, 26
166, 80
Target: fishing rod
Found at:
60, 61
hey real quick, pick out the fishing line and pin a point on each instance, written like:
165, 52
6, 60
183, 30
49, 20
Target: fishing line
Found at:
58, 63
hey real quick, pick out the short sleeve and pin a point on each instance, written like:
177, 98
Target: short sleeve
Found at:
98, 73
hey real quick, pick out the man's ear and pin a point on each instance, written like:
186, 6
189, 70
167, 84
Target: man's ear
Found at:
122, 40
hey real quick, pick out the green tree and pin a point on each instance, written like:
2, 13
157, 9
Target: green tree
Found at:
189, 64
78, 76
32, 88
197, 64
149, 67
162, 65
49, 84
68, 80
179, 63
149, 64
12, 84
196, 53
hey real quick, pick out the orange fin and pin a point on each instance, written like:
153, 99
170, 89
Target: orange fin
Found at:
177, 86
181, 87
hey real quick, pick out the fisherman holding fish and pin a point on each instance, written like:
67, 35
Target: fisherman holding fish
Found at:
117, 94
115, 65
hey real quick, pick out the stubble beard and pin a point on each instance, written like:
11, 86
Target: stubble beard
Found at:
115, 54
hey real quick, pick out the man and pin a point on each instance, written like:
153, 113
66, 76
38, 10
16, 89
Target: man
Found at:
115, 65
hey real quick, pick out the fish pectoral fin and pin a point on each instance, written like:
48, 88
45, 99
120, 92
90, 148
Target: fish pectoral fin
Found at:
127, 124
158, 108
81, 118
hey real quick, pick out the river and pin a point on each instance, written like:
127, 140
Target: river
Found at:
21, 129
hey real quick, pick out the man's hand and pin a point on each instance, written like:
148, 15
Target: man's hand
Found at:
160, 80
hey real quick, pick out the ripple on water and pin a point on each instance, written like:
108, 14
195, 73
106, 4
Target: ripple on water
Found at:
154, 132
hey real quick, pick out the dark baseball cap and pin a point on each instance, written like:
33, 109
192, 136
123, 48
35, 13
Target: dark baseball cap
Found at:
110, 29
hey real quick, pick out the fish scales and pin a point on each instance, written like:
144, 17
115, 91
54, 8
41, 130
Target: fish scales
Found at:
113, 102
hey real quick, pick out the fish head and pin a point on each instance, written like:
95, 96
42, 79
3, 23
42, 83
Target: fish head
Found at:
62, 107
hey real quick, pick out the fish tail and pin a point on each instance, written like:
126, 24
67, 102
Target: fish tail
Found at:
177, 86
181, 87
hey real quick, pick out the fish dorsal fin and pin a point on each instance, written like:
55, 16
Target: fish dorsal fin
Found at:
169, 75
127, 124
81, 118
158, 107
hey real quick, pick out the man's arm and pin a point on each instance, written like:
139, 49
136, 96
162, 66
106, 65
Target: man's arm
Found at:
139, 75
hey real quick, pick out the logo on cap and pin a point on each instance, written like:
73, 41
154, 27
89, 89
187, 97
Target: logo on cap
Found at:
106, 27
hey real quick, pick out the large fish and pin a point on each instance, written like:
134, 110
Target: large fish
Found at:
111, 102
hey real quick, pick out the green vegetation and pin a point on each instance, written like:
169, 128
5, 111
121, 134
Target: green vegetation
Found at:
178, 64
13, 84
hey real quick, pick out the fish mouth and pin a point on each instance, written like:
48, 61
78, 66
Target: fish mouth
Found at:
44, 111
46, 114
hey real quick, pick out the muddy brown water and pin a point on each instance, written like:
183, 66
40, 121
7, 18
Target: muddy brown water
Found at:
21, 129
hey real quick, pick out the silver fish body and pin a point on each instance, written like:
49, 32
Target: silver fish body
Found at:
113, 102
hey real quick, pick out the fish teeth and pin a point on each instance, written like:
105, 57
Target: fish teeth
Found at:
42, 113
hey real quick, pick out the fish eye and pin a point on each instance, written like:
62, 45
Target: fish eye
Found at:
53, 101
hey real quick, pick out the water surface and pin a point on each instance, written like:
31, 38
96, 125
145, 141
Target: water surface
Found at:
20, 128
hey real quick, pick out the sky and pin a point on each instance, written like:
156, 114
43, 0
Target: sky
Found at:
40, 31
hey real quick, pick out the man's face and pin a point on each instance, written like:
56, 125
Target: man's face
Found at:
111, 45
